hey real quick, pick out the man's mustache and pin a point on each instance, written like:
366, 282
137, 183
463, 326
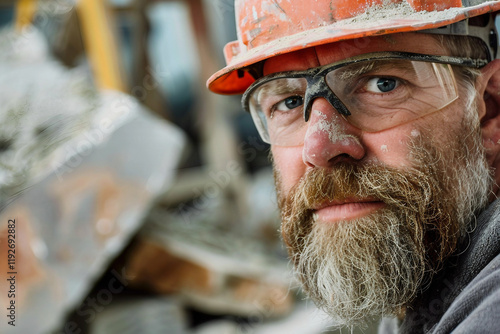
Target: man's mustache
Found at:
356, 181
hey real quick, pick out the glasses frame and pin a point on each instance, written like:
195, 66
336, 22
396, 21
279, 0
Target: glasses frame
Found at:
318, 87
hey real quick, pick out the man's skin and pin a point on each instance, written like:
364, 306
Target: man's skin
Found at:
388, 147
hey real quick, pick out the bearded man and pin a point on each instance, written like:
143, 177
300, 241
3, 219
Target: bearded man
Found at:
384, 124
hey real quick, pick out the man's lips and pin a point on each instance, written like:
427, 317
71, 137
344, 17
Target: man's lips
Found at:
346, 209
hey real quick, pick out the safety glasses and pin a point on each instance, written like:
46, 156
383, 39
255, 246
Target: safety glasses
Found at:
373, 92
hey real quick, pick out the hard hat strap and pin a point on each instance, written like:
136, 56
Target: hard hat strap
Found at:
488, 33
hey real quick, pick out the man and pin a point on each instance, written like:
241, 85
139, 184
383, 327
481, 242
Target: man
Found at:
384, 126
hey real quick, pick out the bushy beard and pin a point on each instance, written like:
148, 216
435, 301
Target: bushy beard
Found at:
373, 266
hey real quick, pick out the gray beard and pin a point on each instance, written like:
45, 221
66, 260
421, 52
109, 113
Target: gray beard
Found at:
374, 266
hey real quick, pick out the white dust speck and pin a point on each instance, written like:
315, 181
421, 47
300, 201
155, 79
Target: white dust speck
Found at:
333, 128
384, 148
390, 10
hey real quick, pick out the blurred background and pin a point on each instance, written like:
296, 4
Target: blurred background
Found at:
142, 202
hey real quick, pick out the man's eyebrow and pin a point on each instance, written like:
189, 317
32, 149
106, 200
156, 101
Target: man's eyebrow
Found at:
282, 86
353, 70
357, 69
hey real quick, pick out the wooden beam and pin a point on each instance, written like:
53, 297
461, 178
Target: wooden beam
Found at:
101, 43
25, 12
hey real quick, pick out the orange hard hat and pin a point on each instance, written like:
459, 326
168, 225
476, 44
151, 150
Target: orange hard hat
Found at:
267, 28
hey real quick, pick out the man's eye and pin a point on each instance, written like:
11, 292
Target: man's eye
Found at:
382, 85
290, 103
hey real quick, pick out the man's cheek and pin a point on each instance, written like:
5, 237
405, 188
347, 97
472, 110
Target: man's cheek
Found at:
289, 167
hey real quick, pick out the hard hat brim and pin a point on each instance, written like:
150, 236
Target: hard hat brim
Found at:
231, 81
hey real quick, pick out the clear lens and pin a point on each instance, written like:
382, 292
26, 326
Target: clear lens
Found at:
277, 110
386, 93
379, 94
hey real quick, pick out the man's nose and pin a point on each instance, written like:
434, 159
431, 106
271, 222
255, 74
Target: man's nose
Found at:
330, 138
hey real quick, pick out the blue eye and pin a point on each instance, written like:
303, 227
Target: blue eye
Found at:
290, 103
382, 85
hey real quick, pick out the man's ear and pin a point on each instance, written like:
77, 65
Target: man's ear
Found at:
489, 113
489, 88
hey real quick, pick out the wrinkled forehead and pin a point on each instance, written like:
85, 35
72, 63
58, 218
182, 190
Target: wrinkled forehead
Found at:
333, 52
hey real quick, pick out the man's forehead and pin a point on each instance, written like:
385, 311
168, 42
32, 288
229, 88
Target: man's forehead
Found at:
333, 52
